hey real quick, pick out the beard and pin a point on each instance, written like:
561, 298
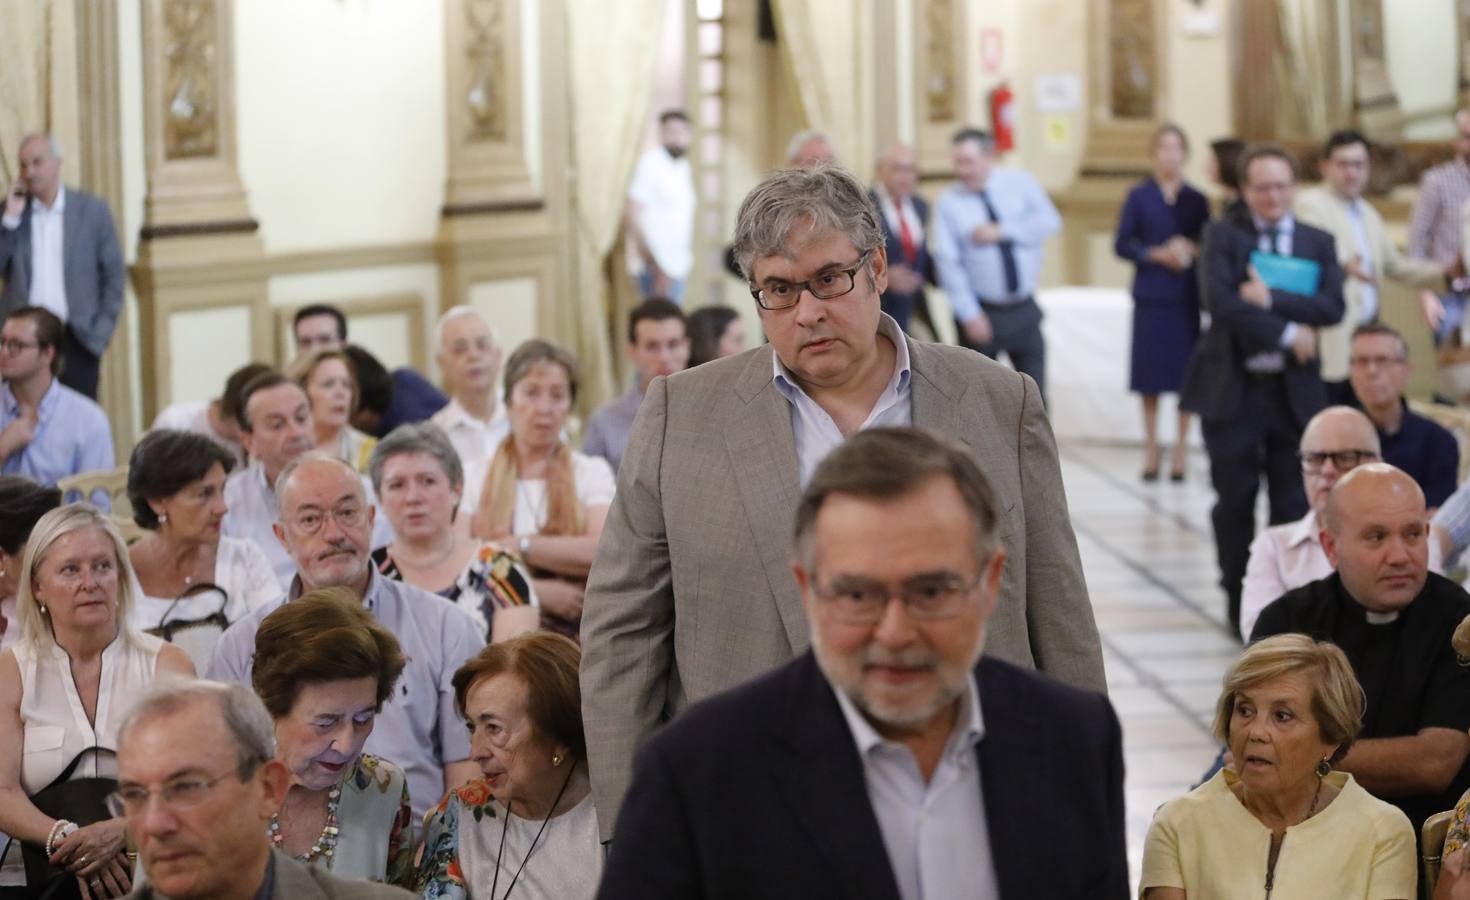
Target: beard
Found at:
674, 151
902, 708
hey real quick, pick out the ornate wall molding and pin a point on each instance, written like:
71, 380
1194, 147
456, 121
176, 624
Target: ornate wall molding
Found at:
1127, 85
189, 118
941, 64
487, 147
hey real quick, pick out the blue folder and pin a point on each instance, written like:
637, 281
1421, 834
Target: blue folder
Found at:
1287, 273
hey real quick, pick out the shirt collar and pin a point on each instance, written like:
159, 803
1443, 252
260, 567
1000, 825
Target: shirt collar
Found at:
377, 584
969, 727
1285, 225
1304, 530
38, 207
48, 399
787, 384
458, 415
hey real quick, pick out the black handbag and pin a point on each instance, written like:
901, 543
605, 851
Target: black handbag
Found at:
81, 800
195, 637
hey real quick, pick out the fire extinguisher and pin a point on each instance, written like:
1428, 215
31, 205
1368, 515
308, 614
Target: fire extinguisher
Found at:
1003, 117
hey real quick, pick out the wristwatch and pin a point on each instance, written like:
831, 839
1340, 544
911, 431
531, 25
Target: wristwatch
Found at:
525, 546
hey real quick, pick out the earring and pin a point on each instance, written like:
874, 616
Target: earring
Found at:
162, 517
1324, 767
556, 760
43, 609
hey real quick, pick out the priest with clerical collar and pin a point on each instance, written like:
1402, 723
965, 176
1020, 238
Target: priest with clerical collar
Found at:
1394, 620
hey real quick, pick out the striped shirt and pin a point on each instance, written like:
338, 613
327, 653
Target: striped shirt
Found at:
1434, 228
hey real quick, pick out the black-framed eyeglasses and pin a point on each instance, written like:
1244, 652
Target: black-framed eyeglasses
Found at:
859, 601
1342, 460
829, 285
10, 345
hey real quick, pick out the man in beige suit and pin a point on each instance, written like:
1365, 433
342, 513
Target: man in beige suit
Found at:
1363, 247
198, 782
692, 592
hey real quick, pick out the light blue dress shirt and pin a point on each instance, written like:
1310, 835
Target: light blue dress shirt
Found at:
936, 834
418, 729
971, 272
609, 428
72, 436
815, 432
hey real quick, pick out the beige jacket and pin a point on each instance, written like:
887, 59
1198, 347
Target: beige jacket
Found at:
692, 591
1324, 208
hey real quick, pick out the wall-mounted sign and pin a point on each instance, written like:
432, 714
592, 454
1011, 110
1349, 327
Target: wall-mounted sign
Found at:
1059, 92
991, 47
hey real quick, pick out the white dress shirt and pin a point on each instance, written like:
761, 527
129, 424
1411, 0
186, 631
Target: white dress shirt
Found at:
48, 279
663, 188
816, 433
937, 838
895, 214
475, 440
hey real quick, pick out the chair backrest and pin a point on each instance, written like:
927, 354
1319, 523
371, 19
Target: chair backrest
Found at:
113, 483
1433, 833
1454, 418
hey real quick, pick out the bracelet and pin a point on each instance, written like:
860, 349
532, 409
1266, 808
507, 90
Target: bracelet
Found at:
59, 830
525, 546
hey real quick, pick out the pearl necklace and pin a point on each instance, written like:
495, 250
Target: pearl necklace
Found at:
326, 844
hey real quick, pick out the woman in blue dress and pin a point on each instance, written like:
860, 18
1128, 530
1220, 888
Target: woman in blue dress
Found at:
1159, 232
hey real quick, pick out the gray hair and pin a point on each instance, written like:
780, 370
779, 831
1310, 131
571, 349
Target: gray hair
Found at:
313, 456
824, 198
800, 139
36, 628
417, 437
250, 727
456, 312
53, 146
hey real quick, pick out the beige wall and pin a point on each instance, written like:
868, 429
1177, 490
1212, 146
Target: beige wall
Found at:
340, 111
1419, 37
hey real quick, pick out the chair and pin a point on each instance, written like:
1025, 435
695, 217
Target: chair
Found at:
1454, 418
112, 482
1433, 833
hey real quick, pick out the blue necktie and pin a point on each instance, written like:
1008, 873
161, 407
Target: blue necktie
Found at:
1007, 252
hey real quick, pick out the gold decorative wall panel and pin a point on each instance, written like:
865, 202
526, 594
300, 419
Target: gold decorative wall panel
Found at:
191, 77
1132, 59
488, 167
942, 80
940, 65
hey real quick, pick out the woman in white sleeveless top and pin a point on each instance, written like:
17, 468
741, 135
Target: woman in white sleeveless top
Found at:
65, 687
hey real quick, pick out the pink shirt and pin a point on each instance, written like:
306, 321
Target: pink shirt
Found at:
1285, 557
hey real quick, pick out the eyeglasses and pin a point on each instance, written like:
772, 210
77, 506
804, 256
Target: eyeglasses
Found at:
9, 345
863, 602
346, 516
1365, 362
1342, 460
181, 793
826, 286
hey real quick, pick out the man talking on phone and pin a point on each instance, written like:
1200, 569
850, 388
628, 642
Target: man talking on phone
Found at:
59, 251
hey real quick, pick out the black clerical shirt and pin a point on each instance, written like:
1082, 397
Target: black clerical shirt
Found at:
1407, 668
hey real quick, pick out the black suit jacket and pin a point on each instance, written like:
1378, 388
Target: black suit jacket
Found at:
922, 263
759, 792
1214, 383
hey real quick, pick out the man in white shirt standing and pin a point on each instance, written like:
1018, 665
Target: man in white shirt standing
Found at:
660, 211
59, 251
469, 356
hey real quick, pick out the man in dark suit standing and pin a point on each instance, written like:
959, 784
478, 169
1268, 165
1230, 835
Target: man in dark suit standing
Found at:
1254, 380
905, 215
885, 762
59, 251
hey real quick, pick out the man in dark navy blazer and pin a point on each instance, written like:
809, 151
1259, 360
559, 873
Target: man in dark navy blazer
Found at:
1254, 379
904, 216
891, 761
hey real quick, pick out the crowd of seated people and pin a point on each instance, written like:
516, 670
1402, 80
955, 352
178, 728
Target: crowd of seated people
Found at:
832, 558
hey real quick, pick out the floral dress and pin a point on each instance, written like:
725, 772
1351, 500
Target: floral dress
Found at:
492, 580
374, 839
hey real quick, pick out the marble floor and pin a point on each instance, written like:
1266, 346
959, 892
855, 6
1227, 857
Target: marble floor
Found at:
1149, 558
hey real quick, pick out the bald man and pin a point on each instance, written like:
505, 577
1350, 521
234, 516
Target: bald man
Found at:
1394, 619
1288, 556
905, 218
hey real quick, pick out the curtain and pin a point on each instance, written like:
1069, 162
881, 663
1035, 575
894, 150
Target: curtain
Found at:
1306, 70
822, 41
612, 48
38, 79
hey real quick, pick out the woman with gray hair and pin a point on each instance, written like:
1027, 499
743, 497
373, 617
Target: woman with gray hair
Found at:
63, 690
419, 480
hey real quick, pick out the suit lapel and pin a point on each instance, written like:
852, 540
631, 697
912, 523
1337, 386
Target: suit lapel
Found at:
828, 792
71, 234
1014, 778
763, 460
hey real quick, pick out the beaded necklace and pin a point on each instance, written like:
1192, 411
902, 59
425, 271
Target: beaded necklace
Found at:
326, 844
